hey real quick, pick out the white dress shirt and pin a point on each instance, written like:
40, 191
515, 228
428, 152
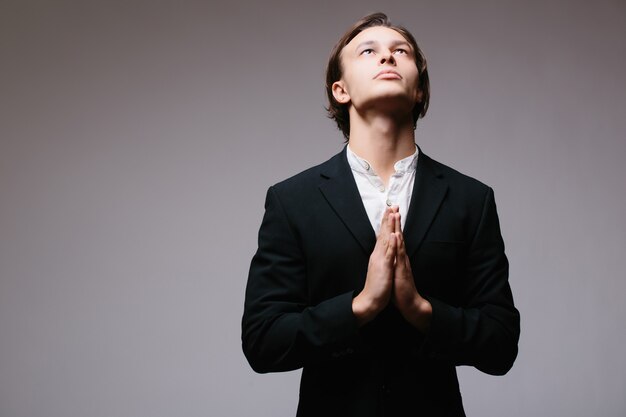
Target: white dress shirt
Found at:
376, 197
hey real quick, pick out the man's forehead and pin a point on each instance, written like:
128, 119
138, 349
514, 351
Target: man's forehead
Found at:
376, 35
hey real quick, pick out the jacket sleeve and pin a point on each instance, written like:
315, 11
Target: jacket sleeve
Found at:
280, 330
483, 331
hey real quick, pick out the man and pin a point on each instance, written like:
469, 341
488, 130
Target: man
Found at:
380, 270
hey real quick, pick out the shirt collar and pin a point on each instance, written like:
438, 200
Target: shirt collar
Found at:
404, 165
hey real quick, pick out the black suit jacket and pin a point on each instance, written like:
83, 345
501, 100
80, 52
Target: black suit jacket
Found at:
314, 246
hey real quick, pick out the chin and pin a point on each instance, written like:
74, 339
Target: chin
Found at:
397, 100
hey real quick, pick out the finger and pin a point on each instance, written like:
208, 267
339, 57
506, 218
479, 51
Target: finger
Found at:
382, 244
397, 223
384, 223
390, 253
382, 238
391, 225
400, 264
385, 217
407, 261
401, 246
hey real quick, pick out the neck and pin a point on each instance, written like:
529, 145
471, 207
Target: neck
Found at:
382, 141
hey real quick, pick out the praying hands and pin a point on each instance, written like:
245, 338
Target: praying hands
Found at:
389, 278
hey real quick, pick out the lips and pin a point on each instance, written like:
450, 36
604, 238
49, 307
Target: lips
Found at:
388, 75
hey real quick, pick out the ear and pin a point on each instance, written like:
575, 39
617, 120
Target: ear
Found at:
340, 92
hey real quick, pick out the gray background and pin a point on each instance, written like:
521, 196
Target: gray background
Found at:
137, 140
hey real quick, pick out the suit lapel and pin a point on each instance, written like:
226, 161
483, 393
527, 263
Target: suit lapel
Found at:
341, 192
429, 191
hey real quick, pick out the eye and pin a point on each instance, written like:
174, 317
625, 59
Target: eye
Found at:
367, 51
401, 51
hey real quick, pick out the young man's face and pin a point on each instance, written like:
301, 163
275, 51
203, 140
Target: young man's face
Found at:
379, 72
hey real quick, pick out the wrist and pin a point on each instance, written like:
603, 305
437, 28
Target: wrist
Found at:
421, 314
363, 308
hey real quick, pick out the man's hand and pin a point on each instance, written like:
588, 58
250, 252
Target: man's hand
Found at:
414, 308
379, 281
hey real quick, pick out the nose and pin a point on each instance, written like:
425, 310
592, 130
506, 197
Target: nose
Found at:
387, 57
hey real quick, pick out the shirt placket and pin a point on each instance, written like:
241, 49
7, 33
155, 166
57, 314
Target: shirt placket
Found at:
391, 197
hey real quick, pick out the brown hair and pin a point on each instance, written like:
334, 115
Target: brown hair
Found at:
339, 111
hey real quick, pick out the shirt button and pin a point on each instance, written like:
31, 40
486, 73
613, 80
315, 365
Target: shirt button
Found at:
388, 203
381, 188
367, 166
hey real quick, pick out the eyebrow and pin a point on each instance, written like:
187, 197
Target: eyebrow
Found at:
394, 43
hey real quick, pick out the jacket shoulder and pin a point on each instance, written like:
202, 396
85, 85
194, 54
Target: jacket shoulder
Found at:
456, 178
310, 177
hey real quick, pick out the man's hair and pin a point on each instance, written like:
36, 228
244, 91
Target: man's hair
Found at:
334, 71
